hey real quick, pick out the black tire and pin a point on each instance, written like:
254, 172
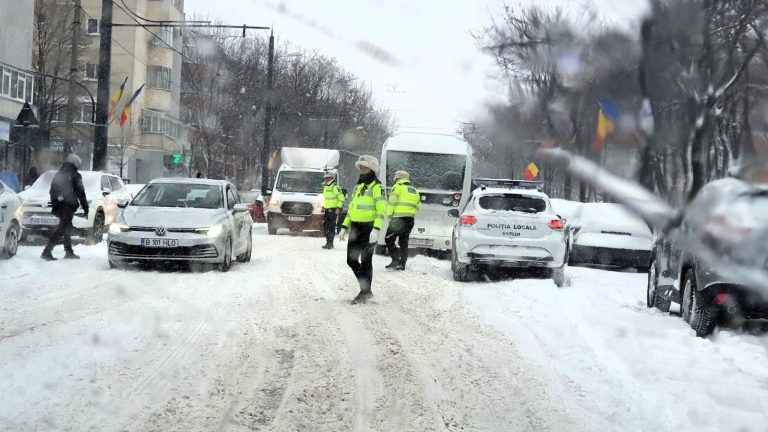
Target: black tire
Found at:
11, 241
96, 234
702, 318
653, 297
461, 271
270, 229
225, 265
558, 277
246, 257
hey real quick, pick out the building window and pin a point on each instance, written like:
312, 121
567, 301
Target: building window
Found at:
16, 85
164, 38
93, 27
156, 123
159, 77
92, 71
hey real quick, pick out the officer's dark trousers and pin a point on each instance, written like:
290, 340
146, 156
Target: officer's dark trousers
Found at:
399, 231
63, 232
329, 225
360, 254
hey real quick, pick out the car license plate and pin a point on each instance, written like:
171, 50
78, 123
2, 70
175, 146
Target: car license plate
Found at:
160, 243
296, 219
44, 220
421, 242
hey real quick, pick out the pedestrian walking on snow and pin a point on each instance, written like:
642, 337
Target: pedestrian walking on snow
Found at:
333, 201
404, 202
366, 214
67, 194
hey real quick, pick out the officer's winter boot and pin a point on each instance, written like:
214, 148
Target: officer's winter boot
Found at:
328, 246
393, 265
47, 256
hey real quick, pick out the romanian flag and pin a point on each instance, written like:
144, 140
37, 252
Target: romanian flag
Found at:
531, 172
607, 117
127, 108
115, 100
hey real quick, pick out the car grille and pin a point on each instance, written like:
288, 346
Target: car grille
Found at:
122, 250
170, 230
296, 208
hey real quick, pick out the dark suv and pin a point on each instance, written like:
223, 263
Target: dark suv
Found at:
714, 260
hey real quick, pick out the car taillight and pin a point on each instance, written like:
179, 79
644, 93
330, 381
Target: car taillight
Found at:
556, 224
467, 220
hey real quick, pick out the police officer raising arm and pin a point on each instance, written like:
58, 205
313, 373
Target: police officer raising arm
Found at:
404, 202
364, 220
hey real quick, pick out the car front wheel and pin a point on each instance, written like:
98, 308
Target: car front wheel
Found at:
701, 317
246, 257
226, 262
96, 234
11, 241
652, 296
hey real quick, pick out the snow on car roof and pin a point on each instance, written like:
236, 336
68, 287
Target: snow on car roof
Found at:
184, 180
518, 191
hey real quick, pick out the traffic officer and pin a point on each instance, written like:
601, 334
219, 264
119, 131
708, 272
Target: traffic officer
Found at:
333, 201
404, 202
366, 214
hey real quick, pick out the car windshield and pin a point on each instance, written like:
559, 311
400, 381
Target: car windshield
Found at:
444, 172
512, 202
180, 195
300, 181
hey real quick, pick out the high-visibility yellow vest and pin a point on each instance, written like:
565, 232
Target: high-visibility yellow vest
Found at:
368, 205
332, 196
404, 201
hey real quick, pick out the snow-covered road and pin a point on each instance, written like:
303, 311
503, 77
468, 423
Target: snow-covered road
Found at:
274, 345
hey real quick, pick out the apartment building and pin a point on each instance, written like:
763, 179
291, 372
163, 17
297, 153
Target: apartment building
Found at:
143, 148
16, 86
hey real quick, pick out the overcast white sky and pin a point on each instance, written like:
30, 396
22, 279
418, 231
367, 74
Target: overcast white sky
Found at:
441, 76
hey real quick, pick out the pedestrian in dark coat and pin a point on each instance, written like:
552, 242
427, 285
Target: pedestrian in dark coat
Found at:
67, 194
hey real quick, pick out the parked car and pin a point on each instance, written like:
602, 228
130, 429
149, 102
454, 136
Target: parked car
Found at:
10, 223
104, 192
508, 227
609, 234
707, 261
183, 220
134, 188
566, 210
255, 202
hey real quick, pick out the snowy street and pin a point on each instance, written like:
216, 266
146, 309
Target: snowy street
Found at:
275, 345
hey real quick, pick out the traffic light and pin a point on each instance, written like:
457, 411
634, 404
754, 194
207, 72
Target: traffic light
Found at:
176, 159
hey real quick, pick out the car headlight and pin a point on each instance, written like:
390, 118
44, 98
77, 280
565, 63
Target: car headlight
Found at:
117, 228
274, 203
215, 231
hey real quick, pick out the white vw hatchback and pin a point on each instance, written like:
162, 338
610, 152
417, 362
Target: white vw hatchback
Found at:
180, 219
509, 227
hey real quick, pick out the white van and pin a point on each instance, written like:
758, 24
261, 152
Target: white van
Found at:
440, 166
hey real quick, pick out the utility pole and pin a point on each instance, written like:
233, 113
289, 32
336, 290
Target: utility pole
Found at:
267, 116
74, 69
100, 131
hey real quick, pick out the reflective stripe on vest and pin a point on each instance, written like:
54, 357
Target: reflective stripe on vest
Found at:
404, 201
332, 196
368, 205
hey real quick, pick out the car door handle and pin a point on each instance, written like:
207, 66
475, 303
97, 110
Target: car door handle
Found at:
4, 206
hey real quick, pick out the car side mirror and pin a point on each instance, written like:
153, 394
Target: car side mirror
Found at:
239, 208
122, 204
454, 213
106, 191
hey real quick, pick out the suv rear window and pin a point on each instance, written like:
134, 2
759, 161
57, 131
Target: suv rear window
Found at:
513, 202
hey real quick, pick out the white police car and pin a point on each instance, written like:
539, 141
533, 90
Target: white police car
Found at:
511, 224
